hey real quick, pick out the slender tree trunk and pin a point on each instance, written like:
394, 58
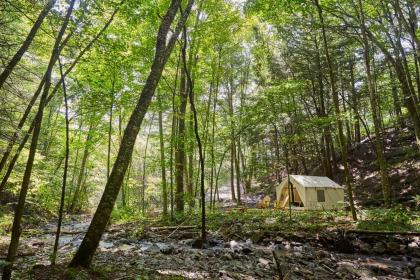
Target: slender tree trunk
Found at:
143, 180
326, 131
200, 148
232, 146
213, 158
16, 229
277, 148
232, 171
341, 137
355, 104
108, 161
410, 100
395, 97
29, 107
174, 127
22, 121
380, 150
66, 163
180, 158
25, 45
80, 179
163, 50
190, 177
162, 159
238, 171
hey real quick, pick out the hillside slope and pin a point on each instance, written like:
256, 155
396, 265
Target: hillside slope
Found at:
403, 159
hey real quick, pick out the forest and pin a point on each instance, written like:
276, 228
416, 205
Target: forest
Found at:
209, 139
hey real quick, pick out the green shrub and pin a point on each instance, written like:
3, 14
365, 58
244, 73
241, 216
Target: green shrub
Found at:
395, 218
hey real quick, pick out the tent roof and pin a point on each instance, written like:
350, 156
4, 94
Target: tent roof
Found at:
315, 181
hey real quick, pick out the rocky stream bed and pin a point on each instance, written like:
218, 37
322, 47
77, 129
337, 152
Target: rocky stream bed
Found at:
229, 254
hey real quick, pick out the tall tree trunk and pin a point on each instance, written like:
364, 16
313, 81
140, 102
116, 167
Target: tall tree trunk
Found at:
108, 159
200, 148
410, 100
16, 230
232, 170
380, 150
238, 172
355, 104
29, 106
395, 97
180, 159
342, 139
80, 179
66, 163
25, 45
22, 121
326, 131
174, 127
213, 127
232, 146
143, 180
190, 177
162, 159
163, 49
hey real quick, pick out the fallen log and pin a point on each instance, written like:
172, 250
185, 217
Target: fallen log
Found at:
73, 232
173, 228
405, 233
65, 232
20, 255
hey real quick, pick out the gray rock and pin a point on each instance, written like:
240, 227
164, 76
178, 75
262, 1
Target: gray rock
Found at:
417, 273
379, 248
188, 262
264, 262
152, 249
393, 247
166, 249
364, 247
235, 246
227, 257
347, 268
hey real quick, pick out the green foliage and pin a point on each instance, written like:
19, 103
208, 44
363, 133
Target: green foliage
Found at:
394, 219
6, 220
123, 214
262, 220
77, 274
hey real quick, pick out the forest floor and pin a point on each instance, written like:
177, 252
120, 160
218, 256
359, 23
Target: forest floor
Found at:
242, 244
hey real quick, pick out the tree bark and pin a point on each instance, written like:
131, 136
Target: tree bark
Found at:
197, 136
163, 49
143, 180
29, 107
232, 145
25, 45
380, 150
409, 98
342, 139
355, 104
80, 179
16, 229
111, 106
162, 159
326, 130
180, 159
66, 164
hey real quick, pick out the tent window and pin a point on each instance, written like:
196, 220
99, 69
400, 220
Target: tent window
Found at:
320, 195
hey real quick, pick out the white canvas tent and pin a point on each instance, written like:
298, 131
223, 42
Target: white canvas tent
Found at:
310, 193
